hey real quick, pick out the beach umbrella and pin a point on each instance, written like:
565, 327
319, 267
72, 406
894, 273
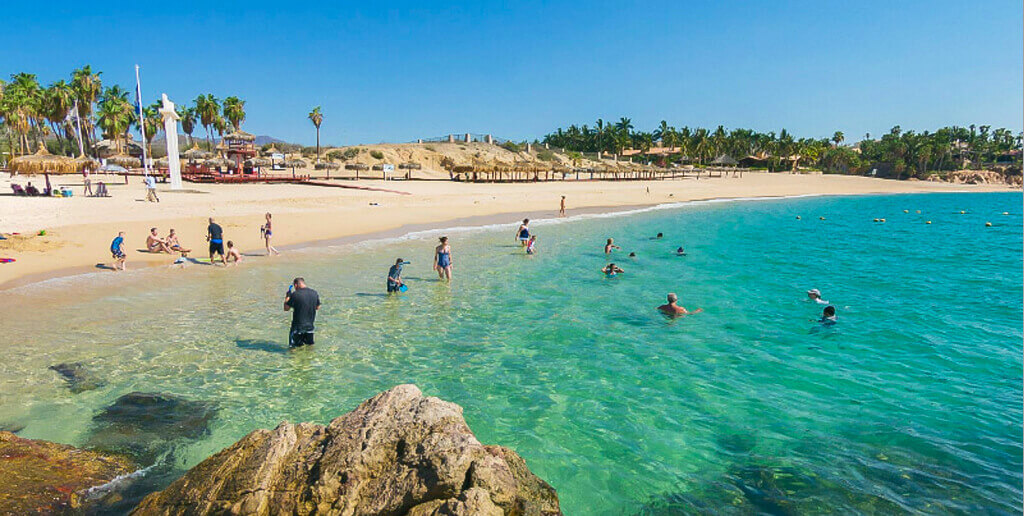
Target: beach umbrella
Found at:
357, 166
410, 166
195, 153
326, 165
42, 162
257, 162
84, 162
239, 135
219, 163
125, 161
295, 163
270, 150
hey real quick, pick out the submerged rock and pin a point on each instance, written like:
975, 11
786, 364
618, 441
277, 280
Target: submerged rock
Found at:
397, 453
40, 477
145, 425
78, 377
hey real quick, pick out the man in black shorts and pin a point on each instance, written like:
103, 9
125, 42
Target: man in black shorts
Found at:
215, 234
303, 302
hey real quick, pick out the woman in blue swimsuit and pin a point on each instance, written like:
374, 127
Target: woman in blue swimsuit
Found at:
443, 260
523, 233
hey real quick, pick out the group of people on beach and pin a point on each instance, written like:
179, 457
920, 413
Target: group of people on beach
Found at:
171, 245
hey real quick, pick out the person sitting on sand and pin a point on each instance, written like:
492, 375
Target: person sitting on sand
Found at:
523, 233
531, 246
815, 295
680, 251
101, 190
175, 245
155, 244
395, 276
117, 251
828, 316
233, 254
672, 307
31, 190
443, 259
611, 270
610, 245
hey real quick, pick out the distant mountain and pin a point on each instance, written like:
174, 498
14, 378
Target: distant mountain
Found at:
264, 139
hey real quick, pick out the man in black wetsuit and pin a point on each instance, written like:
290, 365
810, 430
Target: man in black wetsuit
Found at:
303, 302
215, 235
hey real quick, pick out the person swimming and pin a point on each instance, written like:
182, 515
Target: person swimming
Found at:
610, 245
680, 251
673, 309
612, 270
523, 233
660, 235
443, 259
828, 316
531, 246
815, 295
632, 255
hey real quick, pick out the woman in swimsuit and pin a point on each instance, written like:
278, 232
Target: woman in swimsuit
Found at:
610, 245
443, 260
267, 231
523, 233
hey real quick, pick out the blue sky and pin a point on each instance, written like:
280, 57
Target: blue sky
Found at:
399, 70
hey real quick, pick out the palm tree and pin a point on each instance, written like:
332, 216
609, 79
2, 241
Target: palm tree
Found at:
208, 109
838, 137
114, 116
152, 122
188, 122
87, 86
57, 104
317, 118
234, 111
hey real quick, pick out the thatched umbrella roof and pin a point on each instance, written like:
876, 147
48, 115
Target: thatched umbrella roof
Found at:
196, 153
270, 150
43, 162
326, 165
125, 161
410, 166
257, 162
463, 168
357, 166
219, 162
239, 135
295, 163
162, 163
107, 148
84, 162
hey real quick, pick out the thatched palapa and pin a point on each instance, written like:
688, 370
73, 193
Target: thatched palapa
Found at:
410, 166
295, 163
42, 162
240, 136
326, 165
257, 162
195, 153
125, 161
357, 166
219, 163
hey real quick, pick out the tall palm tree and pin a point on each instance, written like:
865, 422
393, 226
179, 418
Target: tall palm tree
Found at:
317, 118
87, 86
188, 122
234, 111
838, 137
208, 110
152, 122
58, 101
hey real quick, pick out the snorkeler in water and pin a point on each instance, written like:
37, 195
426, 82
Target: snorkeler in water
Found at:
828, 316
611, 270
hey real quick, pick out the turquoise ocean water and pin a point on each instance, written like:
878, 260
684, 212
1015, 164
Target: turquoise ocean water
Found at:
911, 403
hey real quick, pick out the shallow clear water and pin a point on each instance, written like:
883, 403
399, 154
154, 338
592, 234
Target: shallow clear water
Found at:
912, 402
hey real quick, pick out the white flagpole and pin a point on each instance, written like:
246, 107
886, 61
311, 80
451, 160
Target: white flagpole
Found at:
142, 121
78, 126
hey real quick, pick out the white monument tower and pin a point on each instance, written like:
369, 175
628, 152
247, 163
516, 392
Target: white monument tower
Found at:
171, 131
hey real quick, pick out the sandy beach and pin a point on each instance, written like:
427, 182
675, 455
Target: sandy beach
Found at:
79, 229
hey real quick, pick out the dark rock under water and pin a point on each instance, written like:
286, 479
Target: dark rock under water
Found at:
147, 425
77, 376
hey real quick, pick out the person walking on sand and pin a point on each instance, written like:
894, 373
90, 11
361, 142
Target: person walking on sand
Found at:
610, 245
443, 259
561, 209
673, 309
117, 251
303, 302
151, 189
215, 235
88, 183
267, 231
523, 233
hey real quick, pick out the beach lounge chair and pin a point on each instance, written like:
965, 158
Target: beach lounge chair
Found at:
18, 190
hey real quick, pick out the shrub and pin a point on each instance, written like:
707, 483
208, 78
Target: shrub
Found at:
546, 155
512, 146
336, 154
377, 154
430, 148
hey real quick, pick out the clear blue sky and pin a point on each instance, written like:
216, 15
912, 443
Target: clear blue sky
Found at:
400, 70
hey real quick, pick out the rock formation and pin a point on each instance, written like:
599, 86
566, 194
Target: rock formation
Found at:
397, 453
40, 477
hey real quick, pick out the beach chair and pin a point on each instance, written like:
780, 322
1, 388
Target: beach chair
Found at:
18, 190
101, 190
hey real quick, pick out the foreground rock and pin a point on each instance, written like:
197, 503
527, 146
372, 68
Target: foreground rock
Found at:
397, 453
40, 477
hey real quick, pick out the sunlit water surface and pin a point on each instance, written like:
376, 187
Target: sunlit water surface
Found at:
912, 402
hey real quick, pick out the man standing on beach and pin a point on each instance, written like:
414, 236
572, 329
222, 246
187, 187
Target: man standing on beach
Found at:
303, 302
117, 251
215, 235
151, 189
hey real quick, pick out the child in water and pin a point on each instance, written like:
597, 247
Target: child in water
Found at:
828, 316
531, 245
233, 253
680, 251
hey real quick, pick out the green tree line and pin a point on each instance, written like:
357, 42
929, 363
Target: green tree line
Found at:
32, 114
